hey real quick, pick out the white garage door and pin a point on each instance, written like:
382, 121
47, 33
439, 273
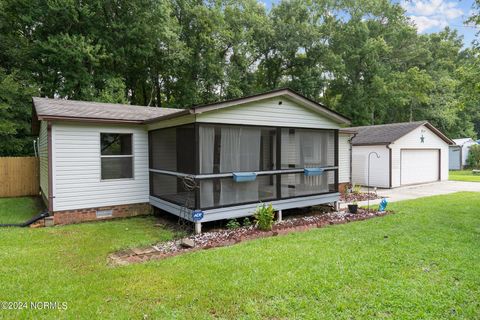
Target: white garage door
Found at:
418, 166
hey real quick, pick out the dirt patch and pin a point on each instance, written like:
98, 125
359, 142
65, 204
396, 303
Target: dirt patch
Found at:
221, 238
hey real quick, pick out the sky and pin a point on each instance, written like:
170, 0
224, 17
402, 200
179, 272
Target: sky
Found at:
434, 15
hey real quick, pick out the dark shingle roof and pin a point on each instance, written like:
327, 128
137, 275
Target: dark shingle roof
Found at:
388, 133
59, 109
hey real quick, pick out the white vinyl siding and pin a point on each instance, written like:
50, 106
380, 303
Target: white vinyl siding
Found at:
454, 158
43, 157
379, 167
269, 112
412, 141
344, 154
77, 171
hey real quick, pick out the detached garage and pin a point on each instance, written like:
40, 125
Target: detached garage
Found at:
400, 154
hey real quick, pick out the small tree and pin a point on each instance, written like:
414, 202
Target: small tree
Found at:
473, 160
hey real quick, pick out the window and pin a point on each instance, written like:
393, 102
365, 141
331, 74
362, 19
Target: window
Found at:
116, 156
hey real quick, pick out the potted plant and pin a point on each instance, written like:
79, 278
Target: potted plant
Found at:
353, 207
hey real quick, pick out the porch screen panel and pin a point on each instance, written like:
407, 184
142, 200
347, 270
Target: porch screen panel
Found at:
227, 192
236, 148
305, 148
206, 149
173, 149
171, 188
239, 151
297, 184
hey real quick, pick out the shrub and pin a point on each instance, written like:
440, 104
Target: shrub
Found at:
473, 160
357, 189
246, 222
233, 224
264, 216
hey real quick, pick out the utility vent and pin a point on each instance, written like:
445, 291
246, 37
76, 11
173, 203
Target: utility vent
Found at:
104, 213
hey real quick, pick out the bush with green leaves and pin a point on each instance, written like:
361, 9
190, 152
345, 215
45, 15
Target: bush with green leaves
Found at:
233, 224
356, 189
264, 217
473, 159
246, 222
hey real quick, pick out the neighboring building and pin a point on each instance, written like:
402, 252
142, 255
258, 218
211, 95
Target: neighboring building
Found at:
409, 153
461, 156
455, 158
107, 160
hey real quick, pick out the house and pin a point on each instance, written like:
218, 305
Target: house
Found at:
209, 162
459, 152
400, 154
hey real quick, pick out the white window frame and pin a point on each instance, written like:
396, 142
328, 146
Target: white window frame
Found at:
117, 156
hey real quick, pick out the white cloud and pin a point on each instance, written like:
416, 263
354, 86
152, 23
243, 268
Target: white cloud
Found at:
428, 14
424, 23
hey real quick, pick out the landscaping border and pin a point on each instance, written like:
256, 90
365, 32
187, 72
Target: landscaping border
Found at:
229, 237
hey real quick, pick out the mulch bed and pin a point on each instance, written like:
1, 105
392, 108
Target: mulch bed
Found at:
228, 237
362, 196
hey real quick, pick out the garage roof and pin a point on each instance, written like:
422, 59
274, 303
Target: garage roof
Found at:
388, 133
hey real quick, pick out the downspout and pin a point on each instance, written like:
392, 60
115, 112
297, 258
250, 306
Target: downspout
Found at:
389, 165
50, 167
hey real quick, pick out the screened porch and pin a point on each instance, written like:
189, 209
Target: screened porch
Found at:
210, 166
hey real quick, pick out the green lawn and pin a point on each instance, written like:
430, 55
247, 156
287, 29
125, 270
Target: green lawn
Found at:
18, 210
422, 262
464, 175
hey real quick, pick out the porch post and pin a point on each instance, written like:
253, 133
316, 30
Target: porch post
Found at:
279, 216
198, 227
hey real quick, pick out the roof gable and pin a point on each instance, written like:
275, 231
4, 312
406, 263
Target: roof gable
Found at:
286, 93
280, 111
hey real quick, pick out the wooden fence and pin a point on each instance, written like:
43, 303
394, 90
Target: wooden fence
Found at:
19, 176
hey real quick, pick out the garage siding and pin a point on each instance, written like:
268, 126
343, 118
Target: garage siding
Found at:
76, 168
379, 168
412, 140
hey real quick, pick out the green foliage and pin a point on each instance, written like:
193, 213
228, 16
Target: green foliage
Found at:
246, 222
264, 217
362, 58
473, 159
15, 115
233, 224
356, 189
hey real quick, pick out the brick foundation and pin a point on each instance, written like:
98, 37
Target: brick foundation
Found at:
90, 214
342, 187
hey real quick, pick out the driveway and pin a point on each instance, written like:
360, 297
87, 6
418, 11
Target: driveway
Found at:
422, 190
